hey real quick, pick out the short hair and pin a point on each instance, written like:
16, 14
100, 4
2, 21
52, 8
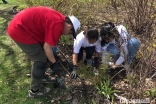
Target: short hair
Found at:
92, 33
67, 19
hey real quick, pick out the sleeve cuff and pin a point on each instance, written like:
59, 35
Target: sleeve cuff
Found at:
120, 60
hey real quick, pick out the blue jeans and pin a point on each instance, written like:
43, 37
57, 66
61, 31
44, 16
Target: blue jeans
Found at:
54, 49
89, 52
133, 47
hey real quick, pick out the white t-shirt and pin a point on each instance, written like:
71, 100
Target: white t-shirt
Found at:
123, 41
81, 41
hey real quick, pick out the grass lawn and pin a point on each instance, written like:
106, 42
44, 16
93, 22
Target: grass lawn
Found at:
14, 84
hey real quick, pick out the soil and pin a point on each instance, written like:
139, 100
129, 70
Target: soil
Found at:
81, 91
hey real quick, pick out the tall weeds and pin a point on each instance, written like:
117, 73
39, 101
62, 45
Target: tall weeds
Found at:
141, 21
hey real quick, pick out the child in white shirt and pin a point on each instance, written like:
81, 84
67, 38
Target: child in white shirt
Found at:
89, 41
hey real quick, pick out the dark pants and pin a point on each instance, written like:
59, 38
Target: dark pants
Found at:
89, 52
36, 53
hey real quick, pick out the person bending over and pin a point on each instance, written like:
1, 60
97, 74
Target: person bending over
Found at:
36, 30
89, 41
117, 42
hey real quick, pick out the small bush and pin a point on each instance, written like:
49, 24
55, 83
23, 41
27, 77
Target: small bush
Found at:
105, 88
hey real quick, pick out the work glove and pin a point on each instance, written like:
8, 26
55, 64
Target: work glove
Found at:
73, 73
56, 68
96, 62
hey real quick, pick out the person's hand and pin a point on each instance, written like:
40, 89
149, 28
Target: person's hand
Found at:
73, 73
96, 62
112, 65
55, 67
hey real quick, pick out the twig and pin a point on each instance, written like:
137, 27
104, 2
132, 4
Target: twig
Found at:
64, 57
117, 74
153, 75
64, 68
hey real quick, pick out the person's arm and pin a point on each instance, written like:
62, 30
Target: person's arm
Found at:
123, 40
98, 48
75, 57
97, 53
47, 49
73, 73
119, 61
77, 45
123, 46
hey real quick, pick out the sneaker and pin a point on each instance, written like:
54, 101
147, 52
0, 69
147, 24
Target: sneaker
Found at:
48, 79
49, 71
42, 92
5, 2
15, 9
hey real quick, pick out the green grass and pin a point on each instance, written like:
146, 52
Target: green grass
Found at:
13, 81
4, 18
14, 84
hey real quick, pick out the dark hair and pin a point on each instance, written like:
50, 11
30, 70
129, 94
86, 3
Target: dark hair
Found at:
67, 19
107, 30
92, 33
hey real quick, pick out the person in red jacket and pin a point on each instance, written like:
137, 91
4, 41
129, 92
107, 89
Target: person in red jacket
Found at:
35, 30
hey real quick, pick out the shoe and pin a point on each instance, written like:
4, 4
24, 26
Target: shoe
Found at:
48, 79
49, 71
15, 9
5, 2
42, 92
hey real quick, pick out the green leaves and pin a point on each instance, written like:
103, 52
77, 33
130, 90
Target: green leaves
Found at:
105, 88
93, 101
65, 39
151, 93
